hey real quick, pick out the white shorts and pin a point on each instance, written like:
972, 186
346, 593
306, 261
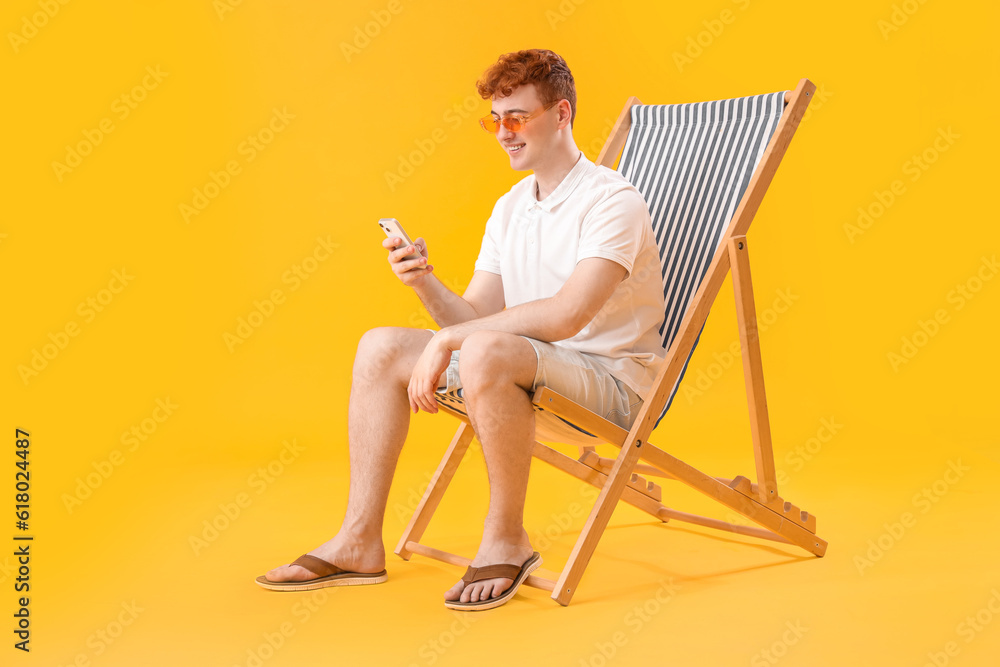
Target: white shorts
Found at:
574, 375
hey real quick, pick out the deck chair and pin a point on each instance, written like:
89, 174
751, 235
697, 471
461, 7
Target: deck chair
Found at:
703, 169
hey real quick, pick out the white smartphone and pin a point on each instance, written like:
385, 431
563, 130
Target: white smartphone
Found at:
393, 229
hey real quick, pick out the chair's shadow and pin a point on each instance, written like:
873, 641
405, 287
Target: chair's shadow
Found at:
661, 574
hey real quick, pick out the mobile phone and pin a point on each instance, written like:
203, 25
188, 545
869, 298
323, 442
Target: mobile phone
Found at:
393, 229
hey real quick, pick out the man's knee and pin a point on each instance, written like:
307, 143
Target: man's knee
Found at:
382, 349
489, 357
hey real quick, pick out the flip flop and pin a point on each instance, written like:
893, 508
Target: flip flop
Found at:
328, 574
506, 571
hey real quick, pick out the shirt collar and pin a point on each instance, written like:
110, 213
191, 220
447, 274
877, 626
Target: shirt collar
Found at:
565, 187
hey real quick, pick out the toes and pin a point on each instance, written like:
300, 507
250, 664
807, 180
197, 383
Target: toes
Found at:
455, 592
470, 593
500, 586
479, 591
485, 590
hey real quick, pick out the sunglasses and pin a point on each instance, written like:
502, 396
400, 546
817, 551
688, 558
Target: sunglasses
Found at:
513, 123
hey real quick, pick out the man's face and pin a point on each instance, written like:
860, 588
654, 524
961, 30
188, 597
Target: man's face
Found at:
528, 146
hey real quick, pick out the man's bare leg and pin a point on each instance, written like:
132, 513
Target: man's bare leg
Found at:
378, 419
498, 370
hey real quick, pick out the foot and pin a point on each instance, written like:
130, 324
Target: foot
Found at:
492, 551
346, 553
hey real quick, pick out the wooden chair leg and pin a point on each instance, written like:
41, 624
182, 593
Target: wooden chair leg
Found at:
435, 490
596, 523
753, 373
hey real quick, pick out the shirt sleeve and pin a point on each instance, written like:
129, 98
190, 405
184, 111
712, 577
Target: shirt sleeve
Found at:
614, 229
489, 251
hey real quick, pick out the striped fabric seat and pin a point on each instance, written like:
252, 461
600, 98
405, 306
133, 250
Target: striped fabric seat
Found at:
692, 163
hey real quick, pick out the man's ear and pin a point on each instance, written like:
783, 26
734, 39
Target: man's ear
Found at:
565, 113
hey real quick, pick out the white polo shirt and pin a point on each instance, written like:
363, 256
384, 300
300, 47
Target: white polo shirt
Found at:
534, 246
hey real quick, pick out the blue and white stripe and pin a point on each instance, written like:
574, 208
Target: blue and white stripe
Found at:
692, 163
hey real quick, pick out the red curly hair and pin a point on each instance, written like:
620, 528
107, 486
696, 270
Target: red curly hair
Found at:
547, 70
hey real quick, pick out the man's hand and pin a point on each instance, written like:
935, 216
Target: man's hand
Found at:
411, 271
423, 381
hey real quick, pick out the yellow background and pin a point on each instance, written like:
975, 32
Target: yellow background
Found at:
360, 112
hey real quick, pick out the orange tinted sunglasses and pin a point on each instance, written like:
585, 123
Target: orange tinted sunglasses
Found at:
513, 123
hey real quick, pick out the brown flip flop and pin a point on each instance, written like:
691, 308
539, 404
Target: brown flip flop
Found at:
328, 574
506, 571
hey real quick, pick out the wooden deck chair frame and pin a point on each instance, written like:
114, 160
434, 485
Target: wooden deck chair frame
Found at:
619, 478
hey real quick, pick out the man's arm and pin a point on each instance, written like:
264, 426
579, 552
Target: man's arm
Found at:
558, 317
561, 316
483, 297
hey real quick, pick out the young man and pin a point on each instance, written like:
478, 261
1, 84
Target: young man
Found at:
554, 301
